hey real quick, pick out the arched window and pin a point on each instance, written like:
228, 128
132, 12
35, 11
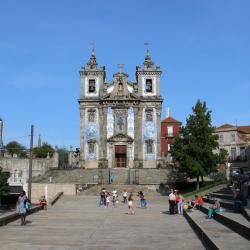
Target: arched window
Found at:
91, 86
149, 86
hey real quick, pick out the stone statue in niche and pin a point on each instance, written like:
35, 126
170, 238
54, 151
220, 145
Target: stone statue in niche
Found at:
149, 116
91, 117
120, 122
120, 89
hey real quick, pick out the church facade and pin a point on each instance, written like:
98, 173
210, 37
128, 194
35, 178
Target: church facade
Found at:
120, 121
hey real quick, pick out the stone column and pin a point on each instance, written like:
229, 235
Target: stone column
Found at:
139, 133
136, 132
138, 152
82, 118
130, 162
158, 117
109, 154
104, 134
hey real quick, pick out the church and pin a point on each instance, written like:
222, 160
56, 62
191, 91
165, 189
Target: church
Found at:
120, 121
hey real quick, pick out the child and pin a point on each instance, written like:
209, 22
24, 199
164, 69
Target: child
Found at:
43, 202
115, 200
130, 205
107, 200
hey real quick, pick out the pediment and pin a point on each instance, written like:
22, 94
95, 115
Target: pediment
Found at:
120, 137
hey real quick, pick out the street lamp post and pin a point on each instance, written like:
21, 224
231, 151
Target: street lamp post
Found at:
30, 161
1, 137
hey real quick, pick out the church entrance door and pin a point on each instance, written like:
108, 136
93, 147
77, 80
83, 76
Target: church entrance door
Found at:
120, 156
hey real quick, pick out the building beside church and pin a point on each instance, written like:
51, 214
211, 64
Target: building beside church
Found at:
120, 121
170, 129
236, 141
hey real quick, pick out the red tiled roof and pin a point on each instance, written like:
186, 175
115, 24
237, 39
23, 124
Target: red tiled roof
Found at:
244, 129
225, 126
170, 120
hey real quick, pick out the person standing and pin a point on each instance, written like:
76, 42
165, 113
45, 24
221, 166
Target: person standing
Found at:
180, 202
107, 199
172, 201
21, 205
102, 197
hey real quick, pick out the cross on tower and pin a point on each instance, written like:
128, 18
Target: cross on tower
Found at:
120, 67
92, 46
146, 46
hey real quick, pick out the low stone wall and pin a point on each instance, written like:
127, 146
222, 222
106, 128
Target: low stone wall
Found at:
115, 176
50, 190
19, 168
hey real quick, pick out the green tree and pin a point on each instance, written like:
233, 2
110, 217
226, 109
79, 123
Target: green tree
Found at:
42, 152
63, 157
4, 187
15, 147
195, 148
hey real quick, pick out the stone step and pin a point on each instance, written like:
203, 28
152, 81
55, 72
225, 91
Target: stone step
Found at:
232, 220
222, 196
246, 212
228, 204
213, 234
225, 191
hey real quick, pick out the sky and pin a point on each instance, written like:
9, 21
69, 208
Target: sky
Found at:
202, 47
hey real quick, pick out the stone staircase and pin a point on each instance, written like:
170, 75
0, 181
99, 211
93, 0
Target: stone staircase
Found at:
148, 190
68, 176
104, 176
227, 229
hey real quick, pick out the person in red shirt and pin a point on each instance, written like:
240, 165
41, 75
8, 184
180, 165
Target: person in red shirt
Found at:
198, 202
43, 202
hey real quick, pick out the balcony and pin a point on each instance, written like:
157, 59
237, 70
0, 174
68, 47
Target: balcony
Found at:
170, 135
237, 158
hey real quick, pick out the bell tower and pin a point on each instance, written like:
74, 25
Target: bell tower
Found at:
149, 114
92, 80
148, 78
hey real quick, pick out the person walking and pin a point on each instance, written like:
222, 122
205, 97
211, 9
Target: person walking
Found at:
115, 200
142, 199
131, 210
125, 196
21, 205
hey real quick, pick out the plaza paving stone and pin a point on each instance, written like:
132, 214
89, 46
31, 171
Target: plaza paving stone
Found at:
77, 222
